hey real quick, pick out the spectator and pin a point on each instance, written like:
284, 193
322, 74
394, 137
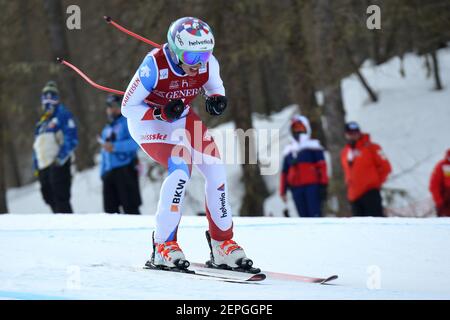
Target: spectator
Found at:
366, 169
304, 170
54, 144
440, 186
119, 163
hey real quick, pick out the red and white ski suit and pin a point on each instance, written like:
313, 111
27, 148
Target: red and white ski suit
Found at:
180, 144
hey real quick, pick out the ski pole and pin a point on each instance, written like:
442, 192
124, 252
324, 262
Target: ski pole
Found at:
88, 80
92, 83
109, 20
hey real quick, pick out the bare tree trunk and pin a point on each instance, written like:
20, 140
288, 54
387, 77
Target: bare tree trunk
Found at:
302, 74
373, 96
255, 187
327, 39
59, 48
428, 65
437, 76
335, 133
3, 46
3, 206
13, 161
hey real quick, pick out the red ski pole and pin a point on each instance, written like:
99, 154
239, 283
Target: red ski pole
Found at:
92, 83
88, 80
118, 26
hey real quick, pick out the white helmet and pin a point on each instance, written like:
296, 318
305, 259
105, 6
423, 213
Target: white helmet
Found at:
191, 41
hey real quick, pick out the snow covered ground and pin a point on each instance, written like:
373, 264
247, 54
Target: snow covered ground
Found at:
101, 257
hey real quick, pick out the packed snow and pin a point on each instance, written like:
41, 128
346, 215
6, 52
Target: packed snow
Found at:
101, 256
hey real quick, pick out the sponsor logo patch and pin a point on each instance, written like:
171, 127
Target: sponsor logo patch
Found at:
164, 74
201, 43
131, 91
144, 72
177, 196
153, 137
223, 208
179, 94
174, 85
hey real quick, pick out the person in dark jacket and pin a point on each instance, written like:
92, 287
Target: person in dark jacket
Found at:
304, 170
440, 186
119, 162
55, 140
366, 168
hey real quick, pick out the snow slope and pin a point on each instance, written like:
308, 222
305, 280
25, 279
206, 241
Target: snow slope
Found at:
101, 257
411, 121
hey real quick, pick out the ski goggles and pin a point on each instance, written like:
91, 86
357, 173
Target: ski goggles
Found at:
192, 58
50, 98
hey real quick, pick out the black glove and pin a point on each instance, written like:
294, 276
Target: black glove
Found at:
173, 110
216, 105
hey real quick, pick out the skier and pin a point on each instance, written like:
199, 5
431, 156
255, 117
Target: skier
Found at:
54, 144
118, 163
440, 186
161, 120
304, 170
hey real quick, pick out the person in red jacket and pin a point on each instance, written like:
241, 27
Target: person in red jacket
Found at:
366, 169
440, 186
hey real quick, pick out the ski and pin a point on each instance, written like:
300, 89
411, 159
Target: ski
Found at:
203, 269
265, 274
199, 273
300, 278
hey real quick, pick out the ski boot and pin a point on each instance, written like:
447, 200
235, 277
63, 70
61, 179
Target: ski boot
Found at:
168, 256
229, 255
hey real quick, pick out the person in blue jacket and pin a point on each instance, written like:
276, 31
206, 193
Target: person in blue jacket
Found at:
119, 163
55, 140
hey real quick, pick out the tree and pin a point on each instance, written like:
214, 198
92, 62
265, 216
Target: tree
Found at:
436, 73
327, 45
301, 72
3, 205
3, 46
59, 48
241, 63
